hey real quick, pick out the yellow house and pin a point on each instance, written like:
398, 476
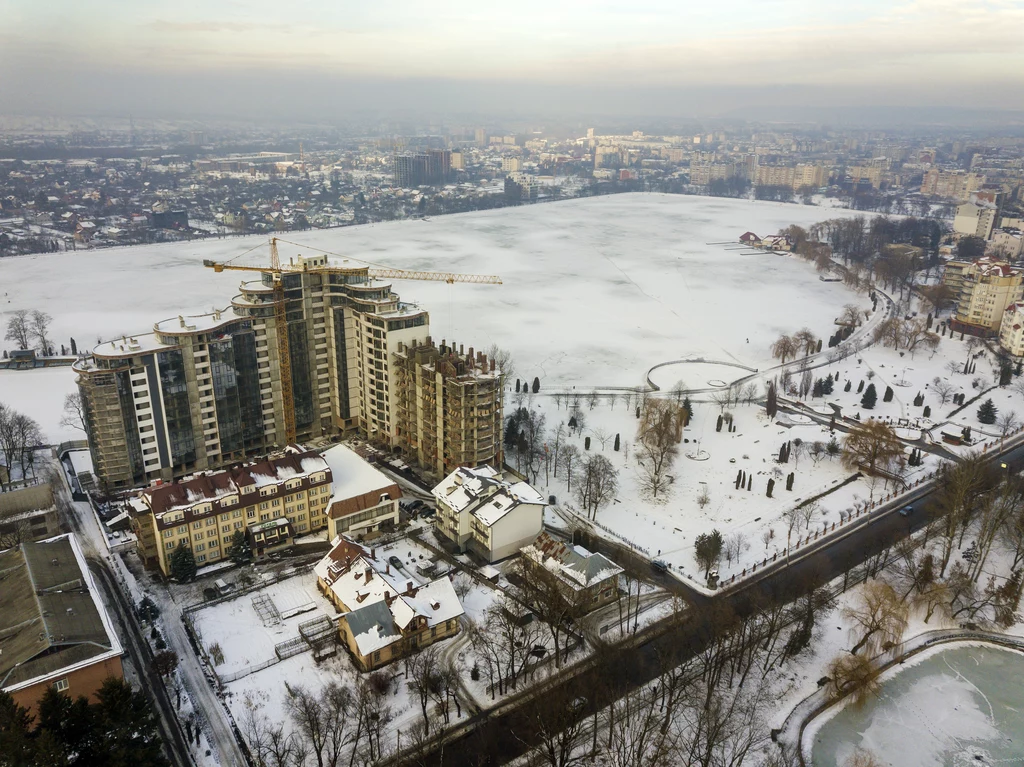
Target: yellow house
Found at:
387, 615
271, 501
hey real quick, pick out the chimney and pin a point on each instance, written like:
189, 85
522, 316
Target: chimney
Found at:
461, 350
492, 365
408, 588
470, 357
181, 320
373, 553
369, 574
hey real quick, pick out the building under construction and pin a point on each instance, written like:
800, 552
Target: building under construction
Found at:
448, 406
430, 168
308, 349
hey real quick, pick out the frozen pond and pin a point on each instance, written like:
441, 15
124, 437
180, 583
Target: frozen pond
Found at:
959, 706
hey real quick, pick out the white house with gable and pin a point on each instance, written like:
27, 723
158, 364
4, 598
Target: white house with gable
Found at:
479, 510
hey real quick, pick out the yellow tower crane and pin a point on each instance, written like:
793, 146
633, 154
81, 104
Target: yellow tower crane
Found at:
276, 269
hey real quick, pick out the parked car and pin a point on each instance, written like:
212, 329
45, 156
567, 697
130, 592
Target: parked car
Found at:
395, 561
660, 565
427, 512
906, 511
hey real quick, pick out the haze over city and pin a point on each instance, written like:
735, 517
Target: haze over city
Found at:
317, 60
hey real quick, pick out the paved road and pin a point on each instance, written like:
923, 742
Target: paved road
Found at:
497, 738
138, 650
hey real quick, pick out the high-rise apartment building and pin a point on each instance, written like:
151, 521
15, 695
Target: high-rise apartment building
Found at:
448, 411
954, 185
430, 168
203, 392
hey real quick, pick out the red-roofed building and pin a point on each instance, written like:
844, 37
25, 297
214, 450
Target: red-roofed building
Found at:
271, 501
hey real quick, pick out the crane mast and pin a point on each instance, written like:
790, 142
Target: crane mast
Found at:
277, 271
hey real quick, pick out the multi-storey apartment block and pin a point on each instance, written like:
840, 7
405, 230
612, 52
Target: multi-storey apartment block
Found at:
202, 392
985, 289
954, 185
449, 406
270, 501
480, 510
1011, 332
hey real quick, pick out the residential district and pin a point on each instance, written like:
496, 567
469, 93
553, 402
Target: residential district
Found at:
304, 513
66, 185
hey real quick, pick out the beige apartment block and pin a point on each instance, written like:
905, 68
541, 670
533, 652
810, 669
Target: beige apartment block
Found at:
975, 220
954, 185
986, 289
270, 501
1011, 332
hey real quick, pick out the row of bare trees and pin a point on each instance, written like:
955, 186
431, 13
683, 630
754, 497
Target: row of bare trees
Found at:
711, 709
331, 726
19, 438
30, 329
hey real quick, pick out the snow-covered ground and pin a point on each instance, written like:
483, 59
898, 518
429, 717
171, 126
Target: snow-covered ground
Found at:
39, 394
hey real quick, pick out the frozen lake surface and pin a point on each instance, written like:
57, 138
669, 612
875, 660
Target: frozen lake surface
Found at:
959, 706
595, 291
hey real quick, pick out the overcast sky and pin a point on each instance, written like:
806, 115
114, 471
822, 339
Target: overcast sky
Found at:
323, 57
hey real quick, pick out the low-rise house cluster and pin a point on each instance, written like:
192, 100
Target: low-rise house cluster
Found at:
387, 612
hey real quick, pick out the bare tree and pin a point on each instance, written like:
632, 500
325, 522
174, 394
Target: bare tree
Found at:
559, 728
40, 328
592, 400
657, 442
323, 718
269, 744
944, 389
19, 328
851, 674
570, 456
601, 436
1007, 422
806, 340
74, 412
851, 315
598, 484
503, 362
785, 347
873, 447
878, 616
422, 670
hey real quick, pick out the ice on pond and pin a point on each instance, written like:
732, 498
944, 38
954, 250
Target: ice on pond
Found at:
958, 706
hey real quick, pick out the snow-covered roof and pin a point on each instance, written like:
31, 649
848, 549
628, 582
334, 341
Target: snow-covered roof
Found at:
572, 564
356, 484
484, 493
295, 462
359, 579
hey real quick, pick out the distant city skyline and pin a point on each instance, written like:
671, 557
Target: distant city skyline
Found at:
655, 56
